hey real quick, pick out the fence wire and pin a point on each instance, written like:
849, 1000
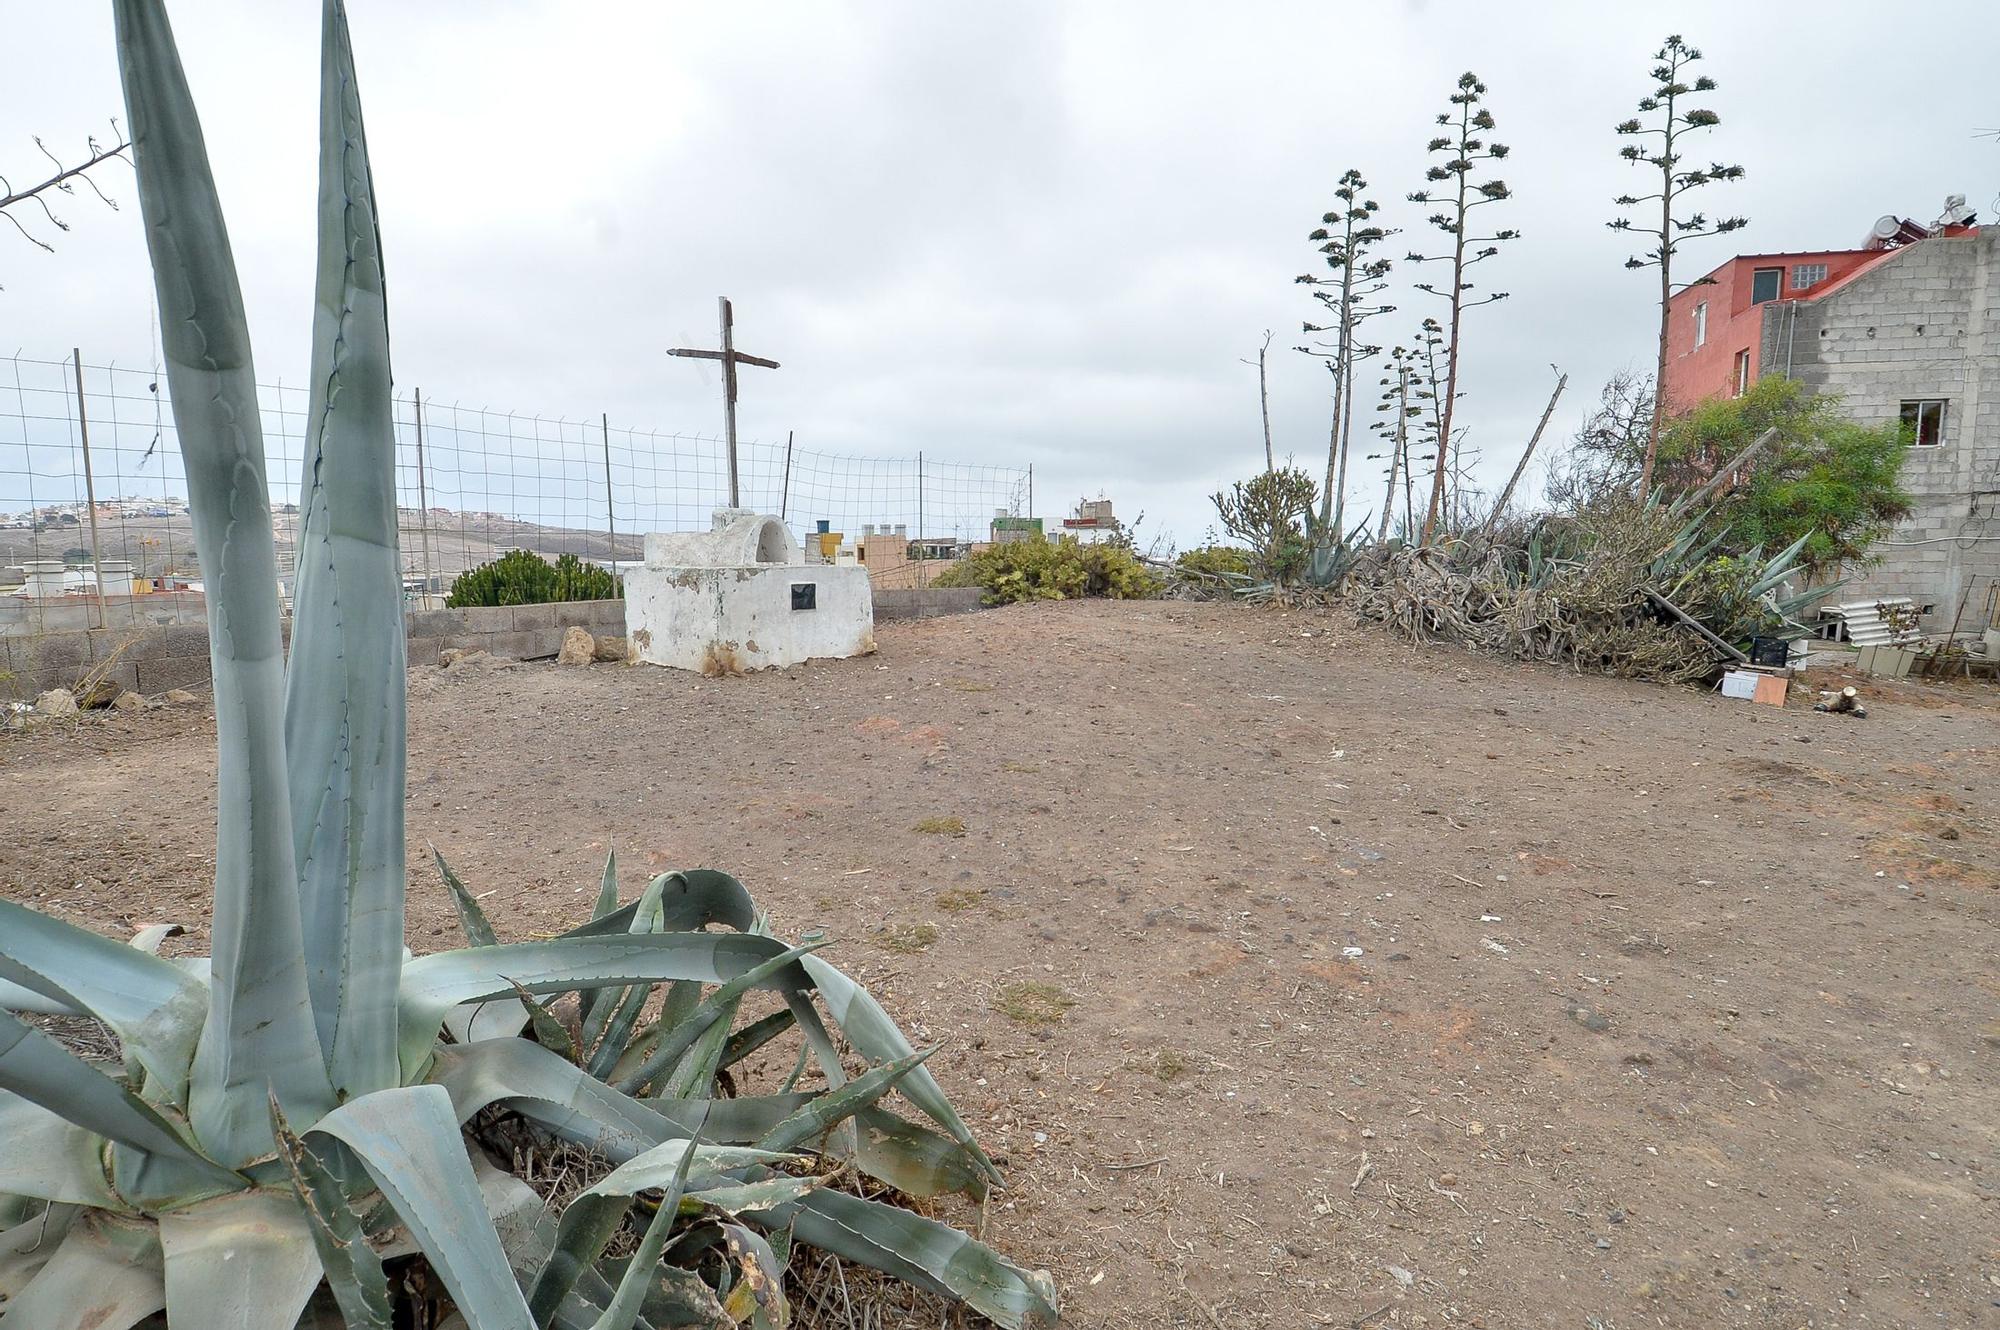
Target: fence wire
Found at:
472, 482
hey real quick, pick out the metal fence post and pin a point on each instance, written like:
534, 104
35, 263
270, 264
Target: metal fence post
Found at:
610, 514
920, 496
89, 484
423, 498
785, 487
1031, 491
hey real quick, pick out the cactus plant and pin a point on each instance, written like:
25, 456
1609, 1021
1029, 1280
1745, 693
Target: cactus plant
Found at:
300, 1116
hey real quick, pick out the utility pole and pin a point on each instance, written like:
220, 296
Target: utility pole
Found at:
730, 358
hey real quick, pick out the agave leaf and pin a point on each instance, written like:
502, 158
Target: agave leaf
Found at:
471, 917
549, 1032
27, 1247
241, 1262
539, 1085
354, 1272
594, 1215
344, 691
687, 900
876, 1037
434, 984
759, 1294
408, 1140
714, 1009
259, 1033
46, 1156
43, 1072
926, 1253
623, 1311
762, 1196
618, 1030
607, 886
754, 1036
105, 1275
693, 1075
914, 1159
154, 1007
822, 1113
149, 938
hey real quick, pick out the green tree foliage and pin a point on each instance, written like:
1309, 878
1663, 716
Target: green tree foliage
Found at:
1064, 569
522, 577
1824, 477
1270, 513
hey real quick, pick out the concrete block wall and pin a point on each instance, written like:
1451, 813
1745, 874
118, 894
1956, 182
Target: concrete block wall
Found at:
153, 659
1917, 326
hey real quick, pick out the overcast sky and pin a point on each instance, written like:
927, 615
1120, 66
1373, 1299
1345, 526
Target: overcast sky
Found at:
1008, 233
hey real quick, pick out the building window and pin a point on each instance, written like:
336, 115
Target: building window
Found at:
1923, 423
1742, 372
1766, 284
1807, 274
1701, 323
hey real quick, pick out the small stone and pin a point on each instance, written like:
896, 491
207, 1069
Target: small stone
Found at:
1604, 1244
1616, 1216
56, 702
578, 647
179, 697
1934, 1156
128, 701
612, 649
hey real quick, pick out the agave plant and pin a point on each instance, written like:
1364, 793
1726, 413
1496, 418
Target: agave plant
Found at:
304, 1129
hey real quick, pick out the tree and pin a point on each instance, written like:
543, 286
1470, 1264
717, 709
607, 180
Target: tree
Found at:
1345, 237
1674, 122
1264, 399
62, 182
1269, 513
1605, 455
1464, 150
1824, 477
1399, 404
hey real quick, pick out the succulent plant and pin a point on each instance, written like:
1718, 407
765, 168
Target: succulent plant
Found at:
302, 1129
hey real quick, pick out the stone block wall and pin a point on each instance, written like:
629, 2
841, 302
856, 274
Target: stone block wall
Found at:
152, 659
1917, 326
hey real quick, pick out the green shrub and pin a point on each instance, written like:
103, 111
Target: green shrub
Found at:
522, 577
1063, 569
1272, 512
1215, 559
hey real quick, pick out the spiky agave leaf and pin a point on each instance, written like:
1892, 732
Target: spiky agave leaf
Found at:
345, 689
241, 1262
434, 984
259, 1035
926, 1253
154, 1007
408, 1141
106, 1274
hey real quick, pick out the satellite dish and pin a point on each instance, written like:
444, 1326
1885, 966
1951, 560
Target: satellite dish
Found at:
1886, 226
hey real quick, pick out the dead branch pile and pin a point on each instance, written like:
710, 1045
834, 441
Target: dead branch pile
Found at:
1590, 615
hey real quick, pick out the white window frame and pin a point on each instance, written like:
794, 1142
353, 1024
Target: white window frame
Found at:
1777, 294
1701, 324
1943, 405
1742, 372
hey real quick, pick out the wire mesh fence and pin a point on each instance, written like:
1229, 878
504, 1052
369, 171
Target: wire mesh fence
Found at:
472, 483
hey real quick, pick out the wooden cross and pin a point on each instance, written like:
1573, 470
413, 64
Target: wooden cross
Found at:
730, 358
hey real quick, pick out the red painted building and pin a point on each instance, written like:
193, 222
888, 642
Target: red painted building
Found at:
1715, 326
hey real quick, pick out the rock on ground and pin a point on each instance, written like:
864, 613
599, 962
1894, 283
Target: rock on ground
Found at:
578, 647
612, 649
56, 702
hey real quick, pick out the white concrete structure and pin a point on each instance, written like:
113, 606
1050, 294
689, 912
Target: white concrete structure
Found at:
741, 597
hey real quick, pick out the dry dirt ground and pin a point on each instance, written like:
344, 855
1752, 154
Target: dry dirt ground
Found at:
1409, 989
